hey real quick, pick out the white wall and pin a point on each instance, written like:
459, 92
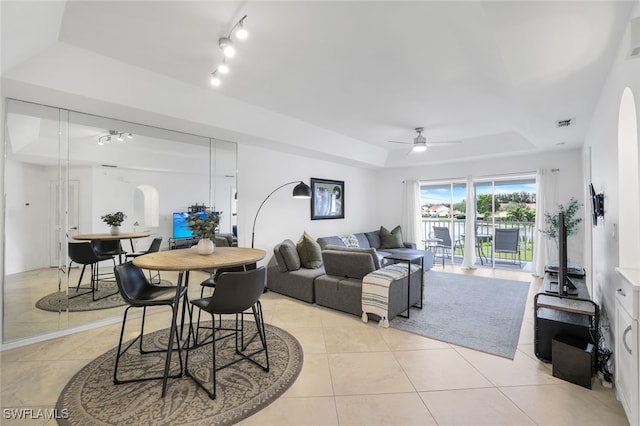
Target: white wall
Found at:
569, 181
262, 170
601, 139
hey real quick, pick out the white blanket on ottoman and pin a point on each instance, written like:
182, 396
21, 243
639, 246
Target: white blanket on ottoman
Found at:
375, 290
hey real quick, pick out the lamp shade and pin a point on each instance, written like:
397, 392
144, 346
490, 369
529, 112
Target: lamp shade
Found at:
302, 190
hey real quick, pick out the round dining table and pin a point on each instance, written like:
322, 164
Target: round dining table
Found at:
185, 260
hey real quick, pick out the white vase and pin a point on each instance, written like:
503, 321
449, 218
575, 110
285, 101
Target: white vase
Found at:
115, 230
205, 246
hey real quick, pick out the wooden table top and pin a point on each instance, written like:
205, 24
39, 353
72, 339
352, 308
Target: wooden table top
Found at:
189, 259
107, 236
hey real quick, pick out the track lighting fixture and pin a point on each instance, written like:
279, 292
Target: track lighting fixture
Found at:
228, 49
114, 133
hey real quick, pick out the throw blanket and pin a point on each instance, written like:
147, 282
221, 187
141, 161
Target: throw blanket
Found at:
375, 290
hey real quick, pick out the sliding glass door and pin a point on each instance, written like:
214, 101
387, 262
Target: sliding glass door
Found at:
502, 203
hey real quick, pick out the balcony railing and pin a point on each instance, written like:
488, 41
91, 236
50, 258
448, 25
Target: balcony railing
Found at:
457, 231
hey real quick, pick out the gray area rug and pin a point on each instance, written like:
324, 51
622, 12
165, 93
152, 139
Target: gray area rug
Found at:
91, 398
58, 301
475, 312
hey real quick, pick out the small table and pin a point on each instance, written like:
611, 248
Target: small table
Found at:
113, 237
410, 258
185, 260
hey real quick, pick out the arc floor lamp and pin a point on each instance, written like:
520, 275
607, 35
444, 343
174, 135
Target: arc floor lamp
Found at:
301, 190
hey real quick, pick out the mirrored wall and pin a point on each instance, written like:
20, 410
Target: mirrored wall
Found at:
66, 169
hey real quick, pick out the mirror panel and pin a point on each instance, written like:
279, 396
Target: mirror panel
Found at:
63, 175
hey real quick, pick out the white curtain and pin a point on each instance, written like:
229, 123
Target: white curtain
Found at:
546, 199
469, 260
411, 215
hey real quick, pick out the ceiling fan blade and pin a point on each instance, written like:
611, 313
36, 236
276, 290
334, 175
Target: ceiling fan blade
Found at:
404, 143
443, 143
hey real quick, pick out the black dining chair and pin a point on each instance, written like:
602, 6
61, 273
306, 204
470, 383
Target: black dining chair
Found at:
138, 292
83, 254
235, 292
111, 248
153, 248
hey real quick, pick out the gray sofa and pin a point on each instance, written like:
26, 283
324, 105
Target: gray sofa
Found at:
337, 283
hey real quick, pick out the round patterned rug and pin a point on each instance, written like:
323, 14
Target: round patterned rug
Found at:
58, 301
90, 397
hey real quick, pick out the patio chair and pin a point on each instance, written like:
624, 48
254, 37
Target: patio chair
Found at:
507, 240
445, 245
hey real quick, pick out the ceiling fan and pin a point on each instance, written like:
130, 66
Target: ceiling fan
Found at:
420, 143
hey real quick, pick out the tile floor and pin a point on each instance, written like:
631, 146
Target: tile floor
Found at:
357, 374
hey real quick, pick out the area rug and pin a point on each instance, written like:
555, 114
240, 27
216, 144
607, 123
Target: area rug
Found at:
90, 397
475, 312
57, 301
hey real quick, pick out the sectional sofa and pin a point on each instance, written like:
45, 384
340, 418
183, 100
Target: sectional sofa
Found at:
337, 282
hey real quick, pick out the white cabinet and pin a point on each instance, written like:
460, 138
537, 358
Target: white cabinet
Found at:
627, 335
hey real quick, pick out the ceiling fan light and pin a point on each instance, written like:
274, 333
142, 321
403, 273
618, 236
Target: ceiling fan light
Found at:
419, 147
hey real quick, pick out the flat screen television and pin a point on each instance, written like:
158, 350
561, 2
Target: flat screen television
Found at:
180, 225
565, 286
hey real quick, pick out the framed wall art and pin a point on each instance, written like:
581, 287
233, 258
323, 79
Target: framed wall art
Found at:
327, 199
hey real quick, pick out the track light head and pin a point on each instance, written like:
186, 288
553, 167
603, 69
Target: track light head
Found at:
223, 68
130, 135
215, 80
241, 32
227, 47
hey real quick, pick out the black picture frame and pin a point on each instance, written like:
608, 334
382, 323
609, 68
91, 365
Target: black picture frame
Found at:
327, 199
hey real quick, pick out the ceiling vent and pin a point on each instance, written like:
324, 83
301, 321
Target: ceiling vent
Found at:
634, 35
565, 123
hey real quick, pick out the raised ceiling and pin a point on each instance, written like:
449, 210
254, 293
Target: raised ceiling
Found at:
494, 75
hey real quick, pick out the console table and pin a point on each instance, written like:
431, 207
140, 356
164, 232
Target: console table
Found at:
555, 315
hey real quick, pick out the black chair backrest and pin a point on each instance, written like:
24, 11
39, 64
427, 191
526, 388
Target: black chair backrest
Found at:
131, 282
83, 253
155, 245
107, 246
507, 239
237, 291
442, 233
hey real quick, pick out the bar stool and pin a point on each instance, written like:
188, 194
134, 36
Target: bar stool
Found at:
235, 292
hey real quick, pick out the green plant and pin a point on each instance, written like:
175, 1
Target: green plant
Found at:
204, 227
114, 219
570, 221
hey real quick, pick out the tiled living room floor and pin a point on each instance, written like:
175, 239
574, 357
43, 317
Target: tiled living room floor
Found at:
358, 374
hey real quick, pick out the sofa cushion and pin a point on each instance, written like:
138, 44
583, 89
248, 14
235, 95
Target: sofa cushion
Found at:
374, 239
375, 256
309, 251
347, 264
391, 239
280, 263
332, 240
289, 253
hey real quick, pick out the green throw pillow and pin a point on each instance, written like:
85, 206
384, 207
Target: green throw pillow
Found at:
391, 239
309, 251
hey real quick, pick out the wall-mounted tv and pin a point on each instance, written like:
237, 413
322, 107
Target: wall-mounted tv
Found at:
180, 225
597, 205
